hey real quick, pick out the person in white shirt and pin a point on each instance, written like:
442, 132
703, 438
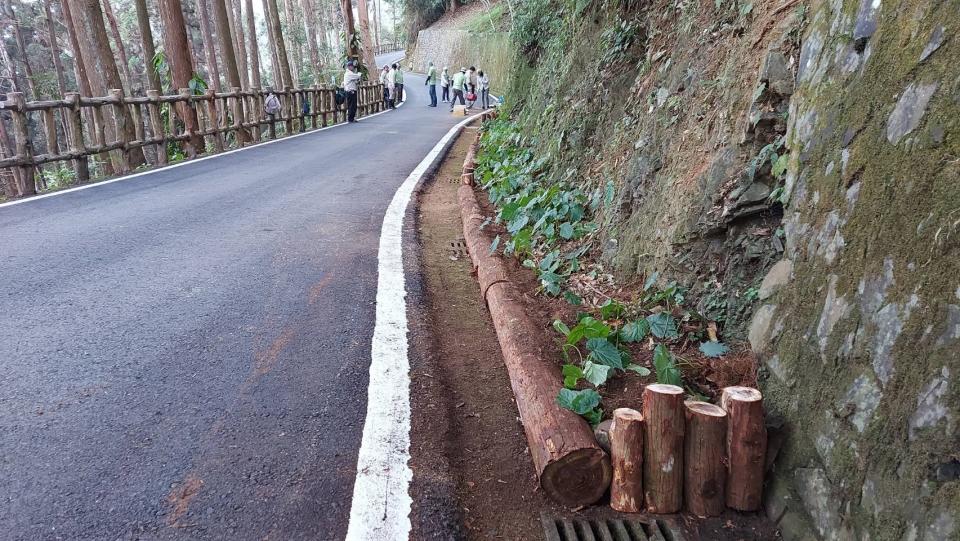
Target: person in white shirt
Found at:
351, 82
483, 86
445, 85
392, 85
384, 74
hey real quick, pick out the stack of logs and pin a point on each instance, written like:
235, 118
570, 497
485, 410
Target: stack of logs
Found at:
206, 121
674, 452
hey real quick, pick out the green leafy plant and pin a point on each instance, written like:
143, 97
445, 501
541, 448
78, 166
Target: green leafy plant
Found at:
666, 367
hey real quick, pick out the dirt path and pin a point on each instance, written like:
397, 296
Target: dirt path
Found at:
496, 488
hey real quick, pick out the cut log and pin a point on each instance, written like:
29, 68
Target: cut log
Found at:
746, 447
572, 468
626, 454
663, 452
705, 459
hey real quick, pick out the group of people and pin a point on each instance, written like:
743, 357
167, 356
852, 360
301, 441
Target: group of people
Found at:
467, 85
391, 78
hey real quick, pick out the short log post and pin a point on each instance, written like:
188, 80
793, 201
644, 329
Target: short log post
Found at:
663, 452
626, 456
253, 115
186, 113
75, 128
50, 131
23, 146
210, 103
156, 125
119, 127
323, 107
705, 459
746, 447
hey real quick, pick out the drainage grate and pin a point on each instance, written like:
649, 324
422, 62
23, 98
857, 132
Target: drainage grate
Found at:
608, 529
458, 249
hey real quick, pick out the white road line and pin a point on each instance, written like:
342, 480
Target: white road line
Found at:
187, 162
381, 501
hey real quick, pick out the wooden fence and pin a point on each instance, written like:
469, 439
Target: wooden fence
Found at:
204, 123
386, 48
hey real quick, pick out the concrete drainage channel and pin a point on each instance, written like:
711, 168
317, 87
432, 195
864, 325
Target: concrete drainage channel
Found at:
608, 529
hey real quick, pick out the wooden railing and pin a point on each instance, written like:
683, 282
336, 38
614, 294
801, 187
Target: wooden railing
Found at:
387, 48
212, 121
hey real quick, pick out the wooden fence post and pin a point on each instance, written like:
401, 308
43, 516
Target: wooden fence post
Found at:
663, 452
156, 126
213, 121
626, 456
253, 113
705, 459
287, 113
187, 114
21, 137
119, 126
746, 447
75, 135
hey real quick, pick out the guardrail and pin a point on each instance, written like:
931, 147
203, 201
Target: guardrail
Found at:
387, 48
208, 123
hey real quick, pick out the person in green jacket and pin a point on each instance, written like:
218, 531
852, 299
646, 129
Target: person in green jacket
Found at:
457, 86
432, 84
398, 82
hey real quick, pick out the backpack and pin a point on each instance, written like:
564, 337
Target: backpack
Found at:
272, 105
340, 96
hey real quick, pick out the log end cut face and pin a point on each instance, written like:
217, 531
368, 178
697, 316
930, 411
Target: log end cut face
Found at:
578, 478
705, 408
739, 394
663, 388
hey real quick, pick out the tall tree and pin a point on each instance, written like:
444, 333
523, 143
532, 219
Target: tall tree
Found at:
310, 18
366, 42
149, 50
177, 49
254, 48
55, 49
236, 25
293, 45
101, 67
283, 68
121, 50
376, 22
346, 7
209, 48
21, 55
221, 15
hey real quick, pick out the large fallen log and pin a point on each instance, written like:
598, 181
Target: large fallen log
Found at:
572, 468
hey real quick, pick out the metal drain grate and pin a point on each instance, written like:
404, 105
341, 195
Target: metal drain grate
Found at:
458, 249
608, 529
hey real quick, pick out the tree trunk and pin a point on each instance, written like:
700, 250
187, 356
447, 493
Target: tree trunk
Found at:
746, 447
276, 78
221, 15
626, 455
121, 50
310, 17
209, 48
376, 23
236, 32
366, 42
663, 453
283, 66
454, 4
572, 468
346, 7
180, 58
705, 459
149, 51
293, 45
102, 71
254, 48
55, 50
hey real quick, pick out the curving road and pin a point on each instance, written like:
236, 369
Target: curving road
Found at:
184, 354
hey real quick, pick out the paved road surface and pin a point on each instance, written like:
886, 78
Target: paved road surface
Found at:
184, 355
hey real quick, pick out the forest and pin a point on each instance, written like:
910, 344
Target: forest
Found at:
50, 49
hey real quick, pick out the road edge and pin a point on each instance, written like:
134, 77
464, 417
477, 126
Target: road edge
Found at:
381, 503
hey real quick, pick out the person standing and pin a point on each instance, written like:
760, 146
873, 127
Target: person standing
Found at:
351, 82
398, 83
392, 85
445, 84
386, 87
483, 84
458, 85
431, 83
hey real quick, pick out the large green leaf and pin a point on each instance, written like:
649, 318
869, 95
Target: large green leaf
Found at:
571, 375
602, 351
597, 374
667, 371
642, 370
611, 310
714, 349
579, 402
662, 325
634, 331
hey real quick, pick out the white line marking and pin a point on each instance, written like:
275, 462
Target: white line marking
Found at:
381, 502
187, 162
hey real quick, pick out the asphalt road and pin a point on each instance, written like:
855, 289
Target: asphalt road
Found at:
184, 355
